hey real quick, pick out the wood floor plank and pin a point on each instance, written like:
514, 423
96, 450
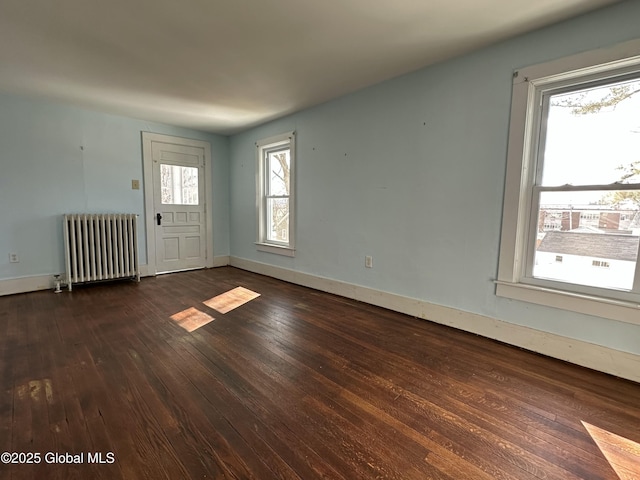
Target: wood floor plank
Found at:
293, 384
79, 392
367, 380
225, 441
352, 407
8, 332
382, 401
233, 385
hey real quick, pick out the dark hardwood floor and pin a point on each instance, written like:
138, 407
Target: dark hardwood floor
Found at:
294, 384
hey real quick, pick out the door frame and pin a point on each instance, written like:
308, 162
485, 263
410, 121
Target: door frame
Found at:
149, 209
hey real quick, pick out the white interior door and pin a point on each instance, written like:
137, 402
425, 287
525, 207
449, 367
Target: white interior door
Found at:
179, 215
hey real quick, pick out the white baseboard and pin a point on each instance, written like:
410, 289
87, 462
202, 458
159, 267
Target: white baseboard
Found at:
221, 261
144, 270
596, 357
26, 284
34, 283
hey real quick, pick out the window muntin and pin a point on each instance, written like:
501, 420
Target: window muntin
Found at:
275, 192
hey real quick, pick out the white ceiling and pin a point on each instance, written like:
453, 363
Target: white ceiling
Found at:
225, 65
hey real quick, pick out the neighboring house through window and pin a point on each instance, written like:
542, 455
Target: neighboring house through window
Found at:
275, 194
573, 146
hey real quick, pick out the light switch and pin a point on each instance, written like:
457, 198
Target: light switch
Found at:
135, 184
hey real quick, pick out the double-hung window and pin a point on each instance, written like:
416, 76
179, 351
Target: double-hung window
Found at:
573, 185
275, 194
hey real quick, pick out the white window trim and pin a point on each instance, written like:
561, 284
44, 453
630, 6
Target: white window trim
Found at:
288, 250
527, 86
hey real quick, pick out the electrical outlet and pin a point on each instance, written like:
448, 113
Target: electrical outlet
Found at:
368, 261
13, 258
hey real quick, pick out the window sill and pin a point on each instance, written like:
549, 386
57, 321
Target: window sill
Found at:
628, 312
277, 249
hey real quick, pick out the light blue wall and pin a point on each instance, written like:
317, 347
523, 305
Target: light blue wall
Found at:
45, 173
412, 172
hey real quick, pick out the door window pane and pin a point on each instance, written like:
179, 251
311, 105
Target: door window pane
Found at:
179, 185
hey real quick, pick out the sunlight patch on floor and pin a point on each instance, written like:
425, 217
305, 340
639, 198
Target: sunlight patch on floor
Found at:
37, 390
191, 319
622, 454
234, 298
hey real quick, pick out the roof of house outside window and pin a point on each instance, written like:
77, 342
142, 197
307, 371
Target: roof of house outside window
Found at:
598, 245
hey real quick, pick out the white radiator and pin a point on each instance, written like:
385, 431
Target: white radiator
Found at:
101, 247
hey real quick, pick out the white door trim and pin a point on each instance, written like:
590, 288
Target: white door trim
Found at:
149, 210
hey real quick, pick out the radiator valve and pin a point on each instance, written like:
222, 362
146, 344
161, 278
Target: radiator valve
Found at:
56, 282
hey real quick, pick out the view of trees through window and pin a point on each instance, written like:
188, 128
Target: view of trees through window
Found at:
588, 195
179, 185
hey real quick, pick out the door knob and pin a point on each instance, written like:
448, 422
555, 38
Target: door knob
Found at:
159, 219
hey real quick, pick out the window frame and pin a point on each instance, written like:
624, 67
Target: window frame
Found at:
264, 147
515, 279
